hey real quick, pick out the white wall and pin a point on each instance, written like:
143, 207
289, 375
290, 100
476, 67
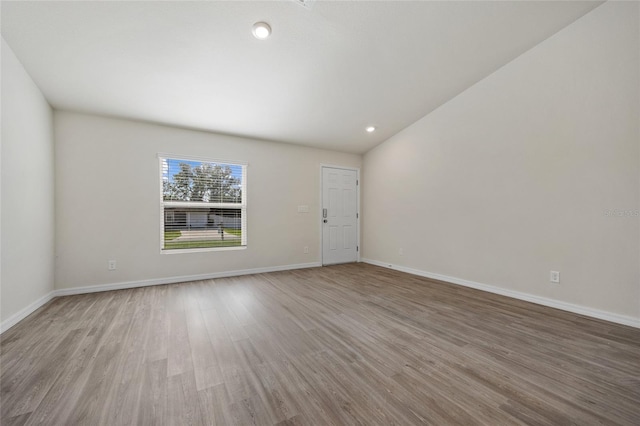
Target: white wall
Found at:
512, 178
107, 205
27, 224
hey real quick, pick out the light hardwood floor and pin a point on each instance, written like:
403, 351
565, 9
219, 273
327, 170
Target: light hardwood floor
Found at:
348, 344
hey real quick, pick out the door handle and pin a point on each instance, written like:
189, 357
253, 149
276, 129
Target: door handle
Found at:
325, 220
324, 214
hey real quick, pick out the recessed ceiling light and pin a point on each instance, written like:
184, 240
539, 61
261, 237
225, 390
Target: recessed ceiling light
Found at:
370, 129
261, 30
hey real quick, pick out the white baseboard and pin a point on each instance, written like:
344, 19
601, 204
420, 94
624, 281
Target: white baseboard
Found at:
552, 303
590, 312
14, 319
25, 312
180, 279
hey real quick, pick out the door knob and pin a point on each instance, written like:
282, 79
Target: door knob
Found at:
325, 220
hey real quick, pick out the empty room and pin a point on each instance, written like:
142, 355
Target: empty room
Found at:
314, 212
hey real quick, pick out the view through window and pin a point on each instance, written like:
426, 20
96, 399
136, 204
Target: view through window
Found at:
203, 204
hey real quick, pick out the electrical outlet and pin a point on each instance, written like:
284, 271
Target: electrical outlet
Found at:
401, 252
112, 265
554, 277
306, 250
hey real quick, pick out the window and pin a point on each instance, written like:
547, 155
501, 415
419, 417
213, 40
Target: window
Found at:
203, 203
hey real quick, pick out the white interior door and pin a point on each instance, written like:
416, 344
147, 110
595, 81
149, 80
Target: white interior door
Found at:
339, 215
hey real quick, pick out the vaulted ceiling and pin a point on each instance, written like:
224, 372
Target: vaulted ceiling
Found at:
329, 69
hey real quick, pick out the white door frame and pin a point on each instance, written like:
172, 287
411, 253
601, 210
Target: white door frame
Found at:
357, 170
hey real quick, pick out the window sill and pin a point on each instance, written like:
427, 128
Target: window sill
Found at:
202, 250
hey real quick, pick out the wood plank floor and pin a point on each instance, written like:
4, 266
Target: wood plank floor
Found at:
348, 344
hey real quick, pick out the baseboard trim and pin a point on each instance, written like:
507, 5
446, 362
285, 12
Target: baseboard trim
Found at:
19, 316
25, 312
179, 279
582, 310
552, 303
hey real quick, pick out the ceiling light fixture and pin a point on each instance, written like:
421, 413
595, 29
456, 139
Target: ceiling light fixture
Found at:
261, 30
370, 129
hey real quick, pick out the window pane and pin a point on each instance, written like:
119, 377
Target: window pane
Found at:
186, 228
198, 181
203, 204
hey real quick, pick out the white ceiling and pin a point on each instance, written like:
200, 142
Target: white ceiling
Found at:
327, 71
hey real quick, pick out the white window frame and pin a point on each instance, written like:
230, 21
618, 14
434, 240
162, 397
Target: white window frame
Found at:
162, 204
